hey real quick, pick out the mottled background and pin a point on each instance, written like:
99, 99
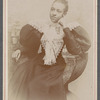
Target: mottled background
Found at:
21, 12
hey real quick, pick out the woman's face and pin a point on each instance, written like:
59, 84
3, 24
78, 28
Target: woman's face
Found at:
57, 11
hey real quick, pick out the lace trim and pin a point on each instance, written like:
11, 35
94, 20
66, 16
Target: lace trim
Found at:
52, 50
50, 41
60, 42
42, 25
38, 25
72, 25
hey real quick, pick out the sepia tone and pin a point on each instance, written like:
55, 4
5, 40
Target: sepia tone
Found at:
22, 12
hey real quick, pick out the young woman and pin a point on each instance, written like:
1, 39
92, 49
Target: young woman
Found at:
39, 75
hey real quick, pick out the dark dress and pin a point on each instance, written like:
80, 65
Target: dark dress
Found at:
32, 80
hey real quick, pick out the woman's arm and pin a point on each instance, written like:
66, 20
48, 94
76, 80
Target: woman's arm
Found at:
76, 40
30, 42
30, 38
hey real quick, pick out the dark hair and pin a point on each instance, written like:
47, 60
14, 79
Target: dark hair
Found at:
65, 2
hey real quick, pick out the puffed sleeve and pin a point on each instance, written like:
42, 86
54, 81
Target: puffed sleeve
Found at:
76, 40
30, 39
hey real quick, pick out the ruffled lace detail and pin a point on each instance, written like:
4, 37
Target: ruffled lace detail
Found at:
39, 25
52, 44
72, 25
52, 50
51, 41
42, 25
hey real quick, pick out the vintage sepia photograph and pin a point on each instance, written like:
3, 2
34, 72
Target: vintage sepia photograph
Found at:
50, 50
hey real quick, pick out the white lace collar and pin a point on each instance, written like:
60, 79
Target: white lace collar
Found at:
52, 43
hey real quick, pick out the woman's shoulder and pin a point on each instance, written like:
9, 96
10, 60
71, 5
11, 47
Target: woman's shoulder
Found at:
77, 29
39, 25
30, 36
73, 25
31, 29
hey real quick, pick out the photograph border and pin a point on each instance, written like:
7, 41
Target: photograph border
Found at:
98, 52
3, 62
1, 50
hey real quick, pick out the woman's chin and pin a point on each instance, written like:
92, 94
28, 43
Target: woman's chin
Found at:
54, 21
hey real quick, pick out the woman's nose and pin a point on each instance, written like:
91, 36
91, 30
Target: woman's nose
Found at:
54, 13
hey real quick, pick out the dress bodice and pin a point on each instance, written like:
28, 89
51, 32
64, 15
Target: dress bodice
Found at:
59, 60
52, 37
52, 42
